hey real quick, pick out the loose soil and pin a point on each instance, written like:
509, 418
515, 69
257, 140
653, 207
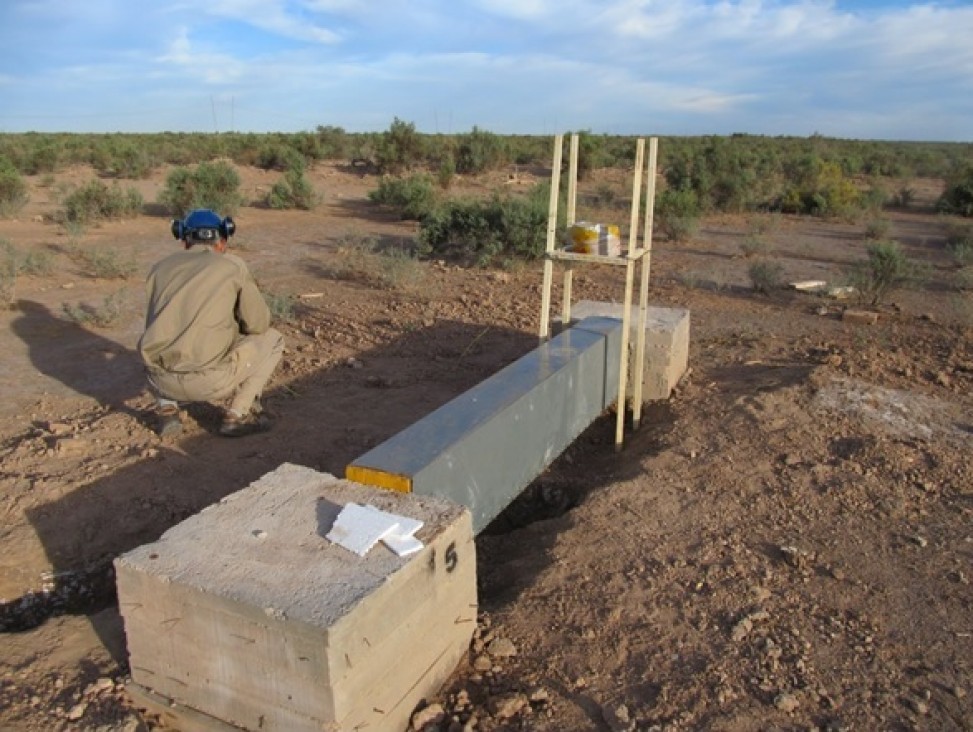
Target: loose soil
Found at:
784, 544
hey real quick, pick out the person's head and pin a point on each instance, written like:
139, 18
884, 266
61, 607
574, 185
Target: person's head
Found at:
203, 226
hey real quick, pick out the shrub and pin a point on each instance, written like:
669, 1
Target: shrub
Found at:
958, 196
131, 161
874, 199
677, 214
13, 189
95, 201
397, 269
8, 273
885, 270
446, 172
760, 224
904, 197
100, 316
293, 191
211, 185
753, 246
280, 157
399, 148
877, 229
959, 243
36, 262
361, 259
479, 151
820, 189
963, 278
765, 275
44, 158
481, 231
459, 228
282, 306
106, 264
413, 197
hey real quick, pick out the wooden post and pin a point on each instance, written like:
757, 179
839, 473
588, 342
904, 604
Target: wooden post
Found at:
571, 214
632, 256
646, 262
545, 326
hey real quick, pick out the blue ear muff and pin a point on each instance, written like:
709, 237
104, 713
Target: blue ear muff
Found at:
227, 228
177, 229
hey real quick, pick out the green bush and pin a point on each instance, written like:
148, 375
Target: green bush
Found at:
110, 310
904, 197
874, 199
958, 196
293, 191
821, 189
96, 201
106, 264
962, 278
677, 214
13, 189
481, 231
959, 243
210, 185
479, 151
44, 157
282, 306
400, 148
886, 269
446, 172
724, 174
753, 246
36, 262
413, 197
8, 273
877, 229
765, 275
390, 268
280, 157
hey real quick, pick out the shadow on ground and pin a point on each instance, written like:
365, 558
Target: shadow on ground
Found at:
326, 418
82, 360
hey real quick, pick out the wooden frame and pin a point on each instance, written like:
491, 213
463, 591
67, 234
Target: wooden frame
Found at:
636, 256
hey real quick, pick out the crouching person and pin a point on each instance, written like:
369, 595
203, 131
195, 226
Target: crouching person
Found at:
207, 330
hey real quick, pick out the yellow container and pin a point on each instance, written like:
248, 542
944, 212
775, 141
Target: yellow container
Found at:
587, 238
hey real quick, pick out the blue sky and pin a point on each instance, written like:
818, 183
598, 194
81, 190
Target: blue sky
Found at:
840, 68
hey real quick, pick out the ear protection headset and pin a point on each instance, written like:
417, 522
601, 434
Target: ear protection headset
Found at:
204, 226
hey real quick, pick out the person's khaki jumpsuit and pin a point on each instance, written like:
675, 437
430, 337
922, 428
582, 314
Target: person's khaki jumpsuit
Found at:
207, 330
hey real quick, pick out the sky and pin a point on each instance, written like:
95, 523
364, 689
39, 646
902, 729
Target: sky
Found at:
855, 69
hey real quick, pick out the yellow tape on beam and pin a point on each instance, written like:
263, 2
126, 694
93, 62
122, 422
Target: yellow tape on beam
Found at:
379, 478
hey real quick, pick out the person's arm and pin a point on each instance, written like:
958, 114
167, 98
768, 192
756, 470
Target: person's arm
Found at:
252, 312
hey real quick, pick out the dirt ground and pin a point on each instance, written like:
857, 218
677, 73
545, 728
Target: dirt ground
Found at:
785, 544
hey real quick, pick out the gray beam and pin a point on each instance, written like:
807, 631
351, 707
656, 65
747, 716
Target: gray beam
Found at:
485, 446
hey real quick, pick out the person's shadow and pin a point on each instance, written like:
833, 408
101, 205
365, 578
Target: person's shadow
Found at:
87, 363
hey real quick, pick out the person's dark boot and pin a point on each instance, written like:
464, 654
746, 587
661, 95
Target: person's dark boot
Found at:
169, 422
251, 424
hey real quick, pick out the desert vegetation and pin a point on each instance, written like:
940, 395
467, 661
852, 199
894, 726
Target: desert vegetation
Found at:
760, 177
792, 515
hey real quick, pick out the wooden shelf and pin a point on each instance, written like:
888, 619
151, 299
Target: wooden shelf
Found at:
621, 260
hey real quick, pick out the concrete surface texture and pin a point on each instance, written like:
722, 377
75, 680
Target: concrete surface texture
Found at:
666, 343
245, 612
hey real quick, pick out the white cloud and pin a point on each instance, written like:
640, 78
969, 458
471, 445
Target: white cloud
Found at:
206, 66
770, 66
275, 16
520, 9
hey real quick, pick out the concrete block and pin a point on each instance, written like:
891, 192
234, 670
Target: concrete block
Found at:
247, 614
666, 343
